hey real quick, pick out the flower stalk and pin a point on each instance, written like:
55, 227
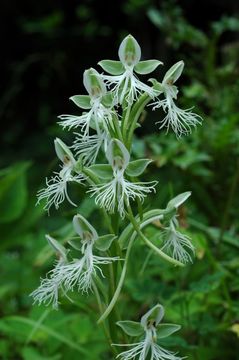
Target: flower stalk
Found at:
110, 113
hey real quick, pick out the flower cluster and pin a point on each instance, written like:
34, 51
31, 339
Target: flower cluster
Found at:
110, 113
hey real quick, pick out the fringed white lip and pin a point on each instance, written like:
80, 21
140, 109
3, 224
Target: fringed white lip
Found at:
127, 86
55, 191
147, 346
118, 192
177, 244
181, 121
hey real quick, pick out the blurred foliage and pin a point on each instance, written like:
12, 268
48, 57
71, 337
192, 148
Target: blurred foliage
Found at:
203, 297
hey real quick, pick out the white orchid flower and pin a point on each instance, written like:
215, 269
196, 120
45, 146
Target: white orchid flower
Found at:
56, 189
124, 82
98, 116
119, 191
181, 121
48, 291
80, 272
177, 244
152, 330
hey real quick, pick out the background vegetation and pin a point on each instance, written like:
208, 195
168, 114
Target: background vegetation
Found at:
45, 48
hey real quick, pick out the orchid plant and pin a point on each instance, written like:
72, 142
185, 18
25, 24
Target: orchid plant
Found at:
110, 114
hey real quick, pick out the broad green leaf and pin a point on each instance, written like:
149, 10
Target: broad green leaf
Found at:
147, 66
164, 330
103, 171
137, 167
31, 353
104, 242
131, 328
113, 67
13, 192
83, 101
15, 325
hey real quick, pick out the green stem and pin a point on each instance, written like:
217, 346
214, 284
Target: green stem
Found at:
120, 284
100, 305
135, 114
229, 202
148, 243
117, 129
125, 122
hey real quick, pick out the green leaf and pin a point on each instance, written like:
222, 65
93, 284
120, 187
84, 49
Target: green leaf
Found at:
164, 330
13, 192
104, 242
113, 67
83, 101
131, 328
103, 171
147, 66
174, 73
137, 167
14, 325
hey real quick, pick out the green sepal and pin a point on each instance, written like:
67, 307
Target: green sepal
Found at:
103, 171
107, 100
164, 330
104, 242
83, 101
156, 85
76, 244
137, 167
79, 165
63, 152
147, 66
131, 328
174, 73
113, 67
57, 247
169, 214
178, 200
153, 315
